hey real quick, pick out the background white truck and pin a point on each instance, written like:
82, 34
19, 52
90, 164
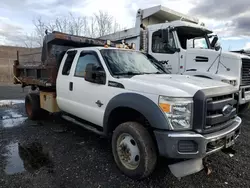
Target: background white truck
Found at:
121, 93
186, 47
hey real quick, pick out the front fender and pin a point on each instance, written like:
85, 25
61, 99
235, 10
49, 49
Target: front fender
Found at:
141, 104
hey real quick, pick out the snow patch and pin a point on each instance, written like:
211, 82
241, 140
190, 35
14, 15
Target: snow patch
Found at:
12, 119
10, 102
7, 123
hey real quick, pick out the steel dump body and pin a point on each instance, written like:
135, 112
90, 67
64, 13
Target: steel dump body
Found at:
40, 68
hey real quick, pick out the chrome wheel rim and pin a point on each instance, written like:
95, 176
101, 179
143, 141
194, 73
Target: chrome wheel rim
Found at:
128, 151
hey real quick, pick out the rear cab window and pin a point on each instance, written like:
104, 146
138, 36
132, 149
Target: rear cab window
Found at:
68, 62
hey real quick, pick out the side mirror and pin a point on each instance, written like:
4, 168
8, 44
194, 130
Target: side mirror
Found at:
165, 35
94, 74
217, 46
214, 41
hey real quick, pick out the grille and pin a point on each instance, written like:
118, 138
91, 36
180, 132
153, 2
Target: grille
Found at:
245, 79
215, 119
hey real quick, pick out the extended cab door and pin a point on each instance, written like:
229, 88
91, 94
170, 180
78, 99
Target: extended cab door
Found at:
164, 52
64, 83
88, 99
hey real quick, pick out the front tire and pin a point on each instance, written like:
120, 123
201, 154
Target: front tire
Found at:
134, 150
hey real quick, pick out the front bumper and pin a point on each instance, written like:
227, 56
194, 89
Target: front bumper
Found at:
244, 94
188, 144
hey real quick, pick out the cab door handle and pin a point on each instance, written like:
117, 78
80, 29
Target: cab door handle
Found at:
71, 86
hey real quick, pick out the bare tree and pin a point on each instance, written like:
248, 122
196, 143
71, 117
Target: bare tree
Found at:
104, 23
40, 28
51, 26
97, 25
92, 27
30, 40
61, 24
77, 25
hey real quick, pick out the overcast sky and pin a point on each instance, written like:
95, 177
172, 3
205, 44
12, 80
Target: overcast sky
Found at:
229, 19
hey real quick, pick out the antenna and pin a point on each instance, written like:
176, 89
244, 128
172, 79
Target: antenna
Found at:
219, 62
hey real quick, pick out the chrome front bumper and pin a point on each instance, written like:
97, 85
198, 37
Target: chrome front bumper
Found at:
187, 145
244, 94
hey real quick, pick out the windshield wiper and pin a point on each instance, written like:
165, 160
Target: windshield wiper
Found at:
158, 72
136, 73
128, 73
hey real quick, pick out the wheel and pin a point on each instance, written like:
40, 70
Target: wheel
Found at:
134, 150
32, 106
243, 108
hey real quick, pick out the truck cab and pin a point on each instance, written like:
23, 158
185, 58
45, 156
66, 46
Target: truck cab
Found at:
189, 52
123, 95
185, 46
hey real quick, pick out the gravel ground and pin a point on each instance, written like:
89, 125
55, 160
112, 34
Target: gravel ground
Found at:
54, 153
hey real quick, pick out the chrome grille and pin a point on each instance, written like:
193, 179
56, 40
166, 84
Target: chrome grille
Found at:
245, 79
215, 119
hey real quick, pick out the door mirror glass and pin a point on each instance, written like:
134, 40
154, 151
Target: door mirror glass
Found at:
165, 35
217, 46
94, 74
214, 41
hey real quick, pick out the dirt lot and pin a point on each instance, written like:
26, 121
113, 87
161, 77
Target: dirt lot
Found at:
54, 153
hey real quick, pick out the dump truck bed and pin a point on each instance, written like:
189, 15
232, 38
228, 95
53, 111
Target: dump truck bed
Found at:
40, 68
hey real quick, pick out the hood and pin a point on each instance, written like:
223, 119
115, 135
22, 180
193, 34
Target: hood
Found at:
206, 62
171, 85
230, 55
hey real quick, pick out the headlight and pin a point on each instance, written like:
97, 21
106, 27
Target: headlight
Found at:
232, 82
179, 111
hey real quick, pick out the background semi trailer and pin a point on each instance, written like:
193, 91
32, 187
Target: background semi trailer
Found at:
124, 94
186, 47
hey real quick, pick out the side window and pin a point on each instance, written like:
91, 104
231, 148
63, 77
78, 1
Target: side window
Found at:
160, 46
68, 62
84, 59
200, 43
197, 43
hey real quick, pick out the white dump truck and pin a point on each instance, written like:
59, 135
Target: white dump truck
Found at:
185, 46
123, 94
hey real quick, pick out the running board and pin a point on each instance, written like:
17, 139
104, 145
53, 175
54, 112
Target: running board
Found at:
86, 126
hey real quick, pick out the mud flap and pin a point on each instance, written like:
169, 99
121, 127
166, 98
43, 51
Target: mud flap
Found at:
187, 167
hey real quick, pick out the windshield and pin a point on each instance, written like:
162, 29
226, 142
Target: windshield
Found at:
191, 37
126, 62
